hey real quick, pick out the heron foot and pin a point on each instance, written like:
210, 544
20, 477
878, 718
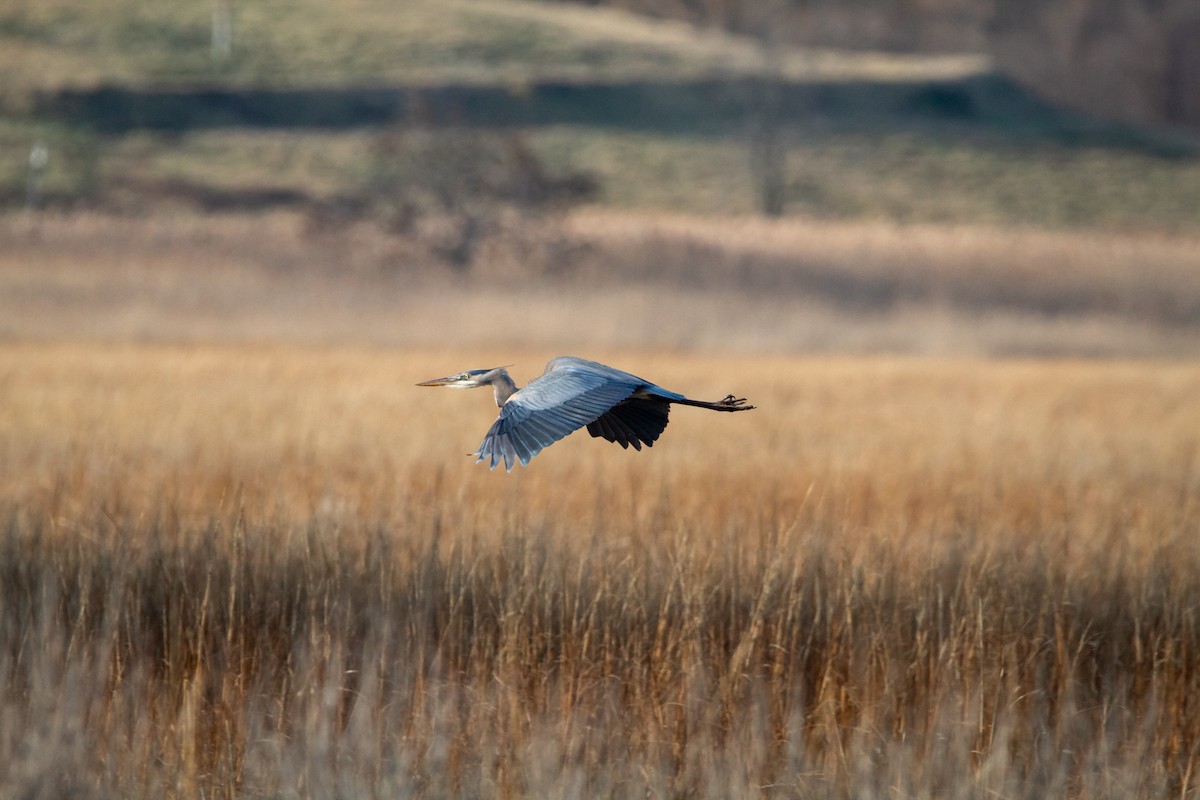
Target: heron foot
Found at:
731, 403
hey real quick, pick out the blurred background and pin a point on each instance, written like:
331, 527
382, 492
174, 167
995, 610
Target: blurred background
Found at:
963, 177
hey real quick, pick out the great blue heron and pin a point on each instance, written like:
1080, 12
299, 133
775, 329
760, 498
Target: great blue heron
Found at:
570, 394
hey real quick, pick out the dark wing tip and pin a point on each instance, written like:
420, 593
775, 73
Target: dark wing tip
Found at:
635, 422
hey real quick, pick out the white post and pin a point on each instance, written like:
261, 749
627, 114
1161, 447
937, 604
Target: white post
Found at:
222, 30
39, 157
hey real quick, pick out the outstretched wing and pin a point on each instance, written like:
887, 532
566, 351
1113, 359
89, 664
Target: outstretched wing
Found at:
571, 394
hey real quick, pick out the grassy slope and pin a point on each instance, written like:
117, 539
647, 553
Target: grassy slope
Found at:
313, 43
897, 176
891, 167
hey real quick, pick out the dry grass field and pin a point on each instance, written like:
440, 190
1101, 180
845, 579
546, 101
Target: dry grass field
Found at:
631, 280
270, 571
953, 553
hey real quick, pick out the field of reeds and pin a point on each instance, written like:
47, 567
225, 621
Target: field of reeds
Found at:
243, 556
271, 571
649, 281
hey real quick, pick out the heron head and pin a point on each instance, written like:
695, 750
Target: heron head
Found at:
470, 379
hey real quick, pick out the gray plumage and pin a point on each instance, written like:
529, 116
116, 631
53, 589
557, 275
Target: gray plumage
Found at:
573, 393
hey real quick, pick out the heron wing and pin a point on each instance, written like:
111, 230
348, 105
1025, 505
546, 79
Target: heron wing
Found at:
636, 421
568, 396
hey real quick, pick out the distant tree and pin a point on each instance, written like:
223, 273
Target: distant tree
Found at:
1183, 75
768, 148
1134, 60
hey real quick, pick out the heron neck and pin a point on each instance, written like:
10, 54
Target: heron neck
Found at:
502, 387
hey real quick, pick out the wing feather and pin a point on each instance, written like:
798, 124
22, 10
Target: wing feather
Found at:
611, 428
636, 421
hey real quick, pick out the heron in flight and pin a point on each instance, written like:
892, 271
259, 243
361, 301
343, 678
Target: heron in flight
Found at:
570, 394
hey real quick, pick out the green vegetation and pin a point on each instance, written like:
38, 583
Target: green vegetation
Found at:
314, 43
898, 176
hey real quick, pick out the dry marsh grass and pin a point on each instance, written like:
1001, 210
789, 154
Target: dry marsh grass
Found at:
631, 280
270, 571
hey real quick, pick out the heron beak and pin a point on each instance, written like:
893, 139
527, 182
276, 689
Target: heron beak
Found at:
463, 380
452, 380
